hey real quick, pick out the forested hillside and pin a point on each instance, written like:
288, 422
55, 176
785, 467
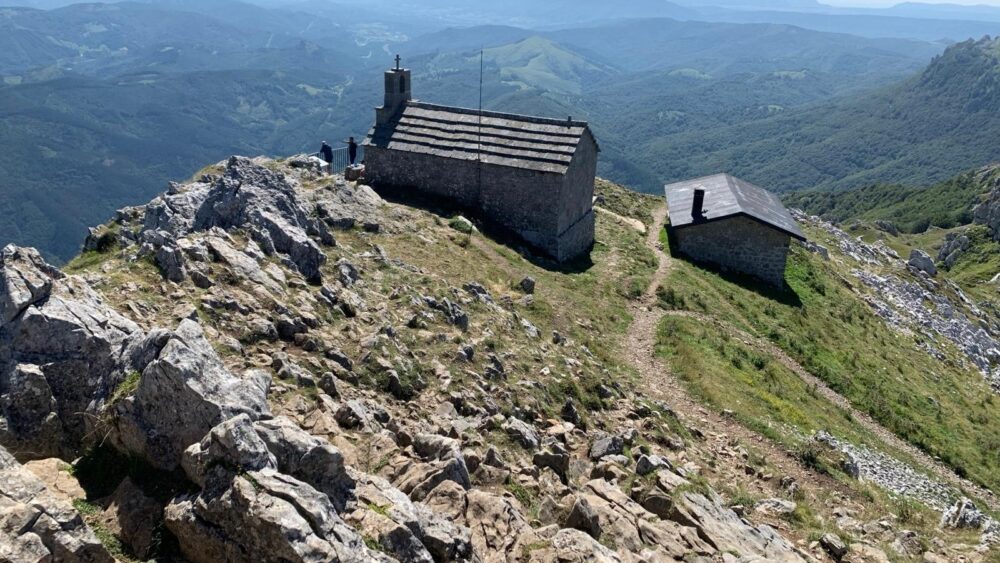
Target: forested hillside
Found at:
925, 129
97, 115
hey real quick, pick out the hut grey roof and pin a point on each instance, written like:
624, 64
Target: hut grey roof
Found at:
519, 141
728, 196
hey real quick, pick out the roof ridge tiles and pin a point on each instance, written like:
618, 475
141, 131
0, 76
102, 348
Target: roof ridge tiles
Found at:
497, 114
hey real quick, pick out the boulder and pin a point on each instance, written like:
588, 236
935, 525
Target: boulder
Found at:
262, 516
726, 531
647, 464
37, 525
25, 279
170, 261
922, 262
442, 538
343, 207
499, 531
574, 546
63, 352
527, 285
233, 443
775, 506
308, 458
833, 545
582, 517
963, 515
522, 433
605, 446
183, 394
953, 247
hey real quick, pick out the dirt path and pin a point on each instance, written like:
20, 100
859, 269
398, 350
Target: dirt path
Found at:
639, 348
634, 223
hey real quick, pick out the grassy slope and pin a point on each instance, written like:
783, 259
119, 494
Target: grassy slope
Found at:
940, 406
945, 205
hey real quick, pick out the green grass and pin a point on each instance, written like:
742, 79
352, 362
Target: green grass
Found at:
936, 405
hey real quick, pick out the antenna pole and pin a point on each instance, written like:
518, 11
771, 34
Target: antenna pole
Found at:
479, 142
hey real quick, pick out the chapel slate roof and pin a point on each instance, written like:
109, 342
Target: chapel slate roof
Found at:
728, 196
519, 141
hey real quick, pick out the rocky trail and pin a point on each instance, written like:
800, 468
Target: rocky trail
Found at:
250, 334
640, 348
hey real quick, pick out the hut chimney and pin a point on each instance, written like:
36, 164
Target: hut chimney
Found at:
698, 205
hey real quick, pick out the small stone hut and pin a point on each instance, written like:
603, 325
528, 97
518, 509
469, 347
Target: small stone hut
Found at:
732, 224
532, 176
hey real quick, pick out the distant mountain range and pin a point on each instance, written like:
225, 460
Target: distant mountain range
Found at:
101, 104
922, 130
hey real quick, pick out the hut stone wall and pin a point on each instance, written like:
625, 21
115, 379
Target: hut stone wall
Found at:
737, 244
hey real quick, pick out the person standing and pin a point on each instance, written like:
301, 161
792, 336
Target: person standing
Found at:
352, 150
326, 153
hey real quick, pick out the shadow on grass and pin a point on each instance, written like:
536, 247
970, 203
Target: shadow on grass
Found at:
785, 295
446, 208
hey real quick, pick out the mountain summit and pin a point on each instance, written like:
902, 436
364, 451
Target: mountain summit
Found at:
268, 363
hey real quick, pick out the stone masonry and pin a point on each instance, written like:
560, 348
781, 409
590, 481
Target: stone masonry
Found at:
530, 176
738, 244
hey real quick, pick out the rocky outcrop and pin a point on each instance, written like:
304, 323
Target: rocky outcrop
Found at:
247, 196
262, 516
181, 395
63, 352
37, 525
249, 510
988, 212
726, 531
953, 247
922, 262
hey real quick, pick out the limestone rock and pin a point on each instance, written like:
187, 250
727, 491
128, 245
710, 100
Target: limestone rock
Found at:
37, 525
57, 476
582, 517
725, 531
606, 445
262, 516
988, 213
311, 459
633, 527
775, 506
25, 279
183, 394
499, 530
522, 433
343, 207
952, 248
527, 285
647, 464
233, 443
963, 515
247, 196
444, 539
62, 353
834, 546
922, 261
133, 517
574, 546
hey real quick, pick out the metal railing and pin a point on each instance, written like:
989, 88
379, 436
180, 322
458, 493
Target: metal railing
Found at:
341, 158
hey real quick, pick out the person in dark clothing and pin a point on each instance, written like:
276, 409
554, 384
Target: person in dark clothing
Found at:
352, 150
326, 153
